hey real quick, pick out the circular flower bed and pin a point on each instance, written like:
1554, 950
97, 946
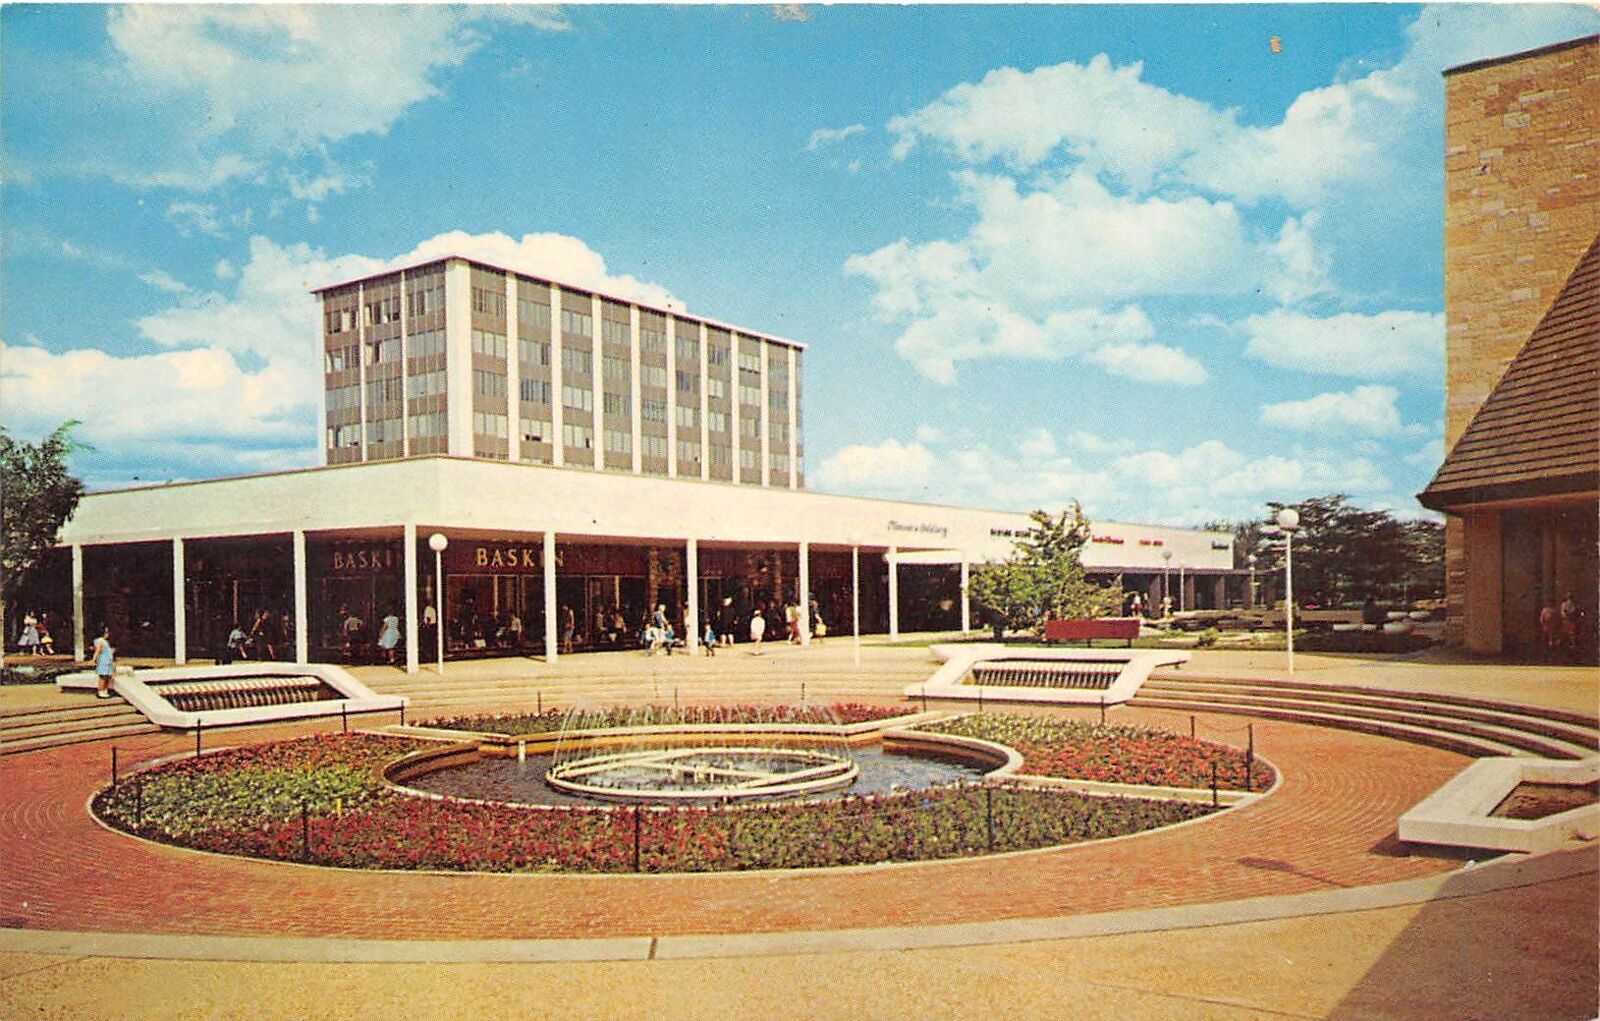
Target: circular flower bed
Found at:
322, 799
1112, 753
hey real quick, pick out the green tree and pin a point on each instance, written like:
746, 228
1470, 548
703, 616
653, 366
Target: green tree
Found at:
1342, 553
1043, 578
37, 496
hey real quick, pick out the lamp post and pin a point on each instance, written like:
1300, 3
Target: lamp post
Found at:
1166, 582
437, 542
1252, 561
1288, 520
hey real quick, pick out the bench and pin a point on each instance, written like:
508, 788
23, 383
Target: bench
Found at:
1086, 631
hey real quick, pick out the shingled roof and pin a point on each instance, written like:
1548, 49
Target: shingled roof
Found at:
1538, 433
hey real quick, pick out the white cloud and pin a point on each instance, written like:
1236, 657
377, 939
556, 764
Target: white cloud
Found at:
1365, 410
1149, 363
163, 281
1037, 443
332, 179
195, 218
225, 270
1429, 456
889, 467
1374, 346
831, 136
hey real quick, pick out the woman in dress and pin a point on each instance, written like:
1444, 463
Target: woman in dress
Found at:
389, 637
105, 663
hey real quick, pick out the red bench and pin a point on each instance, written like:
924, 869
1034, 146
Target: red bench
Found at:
1086, 631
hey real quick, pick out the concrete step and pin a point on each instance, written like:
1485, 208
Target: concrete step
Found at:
129, 717
1582, 740
1448, 740
99, 709
9, 747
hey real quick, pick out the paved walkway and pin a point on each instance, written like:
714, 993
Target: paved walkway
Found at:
1329, 828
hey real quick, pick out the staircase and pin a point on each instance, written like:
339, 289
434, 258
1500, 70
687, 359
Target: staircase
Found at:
23, 730
1457, 723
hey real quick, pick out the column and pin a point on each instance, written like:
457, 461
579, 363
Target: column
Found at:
457, 358
405, 371
597, 385
705, 405
672, 398
766, 418
734, 405
77, 602
552, 628
892, 560
302, 636
180, 616
855, 601
410, 560
804, 597
691, 570
634, 422
794, 419
513, 374
361, 360
966, 598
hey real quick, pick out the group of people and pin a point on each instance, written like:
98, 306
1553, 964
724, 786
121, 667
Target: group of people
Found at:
1561, 627
36, 639
263, 638
353, 634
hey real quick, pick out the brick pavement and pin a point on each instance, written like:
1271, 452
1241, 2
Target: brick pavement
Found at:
1330, 824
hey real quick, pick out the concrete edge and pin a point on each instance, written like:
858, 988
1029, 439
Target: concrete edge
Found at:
1509, 873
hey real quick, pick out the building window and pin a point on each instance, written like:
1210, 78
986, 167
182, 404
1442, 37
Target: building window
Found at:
488, 423
689, 348
780, 463
535, 314
616, 405
688, 381
685, 417
615, 370
653, 411
716, 355
579, 324
578, 436
431, 423
428, 342
382, 391
688, 451
778, 400
489, 301
720, 457
716, 421
750, 395
486, 343
618, 441
384, 310
716, 388
653, 375
749, 460
577, 398
779, 433
536, 430
534, 352
344, 436
613, 332
577, 362
750, 361
384, 430
653, 446
652, 340
344, 398
381, 351
490, 384
750, 427
424, 298
534, 391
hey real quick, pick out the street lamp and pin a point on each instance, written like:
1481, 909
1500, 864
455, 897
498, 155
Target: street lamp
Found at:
1289, 520
437, 542
1166, 582
1252, 561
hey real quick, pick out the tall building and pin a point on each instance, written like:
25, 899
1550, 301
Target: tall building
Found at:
463, 358
1522, 319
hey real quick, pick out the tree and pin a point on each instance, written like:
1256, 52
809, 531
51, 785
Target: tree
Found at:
37, 496
1042, 578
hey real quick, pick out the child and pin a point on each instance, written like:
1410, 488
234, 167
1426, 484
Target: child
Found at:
710, 639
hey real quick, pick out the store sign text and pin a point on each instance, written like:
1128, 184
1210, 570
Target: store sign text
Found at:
900, 526
373, 558
509, 557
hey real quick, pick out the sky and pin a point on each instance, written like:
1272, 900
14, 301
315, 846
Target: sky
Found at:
1172, 262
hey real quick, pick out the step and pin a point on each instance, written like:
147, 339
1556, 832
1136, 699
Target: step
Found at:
1559, 715
79, 737
1549, 747
1581, 738
36, 717
72, 726
1446, 740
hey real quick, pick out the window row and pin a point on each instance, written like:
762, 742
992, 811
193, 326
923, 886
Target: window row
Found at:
340, 320
489, 423
384, 310
716, 355
749, 459
688, 381
616, 370
716, 388
689, 349
381, 352
750, 361
428, 342
385, 390
575, 361
426, 384
653, 411
616, 405
653, 446
578, 398
533, 352
537, 430
580, 437
429, 423
750, 395
534, 391
532, 315
717, 421
489, 384
424, 296
490, 301
652, 341
385, 430
344, 398
344, 436
613, 332
619, 441
579, 324
341, 358
749, 427
686, 418
653, 375
780, 463
688, 453
485, 342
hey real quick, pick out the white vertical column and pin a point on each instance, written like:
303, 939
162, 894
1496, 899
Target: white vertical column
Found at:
734, 375
410, 561
805, 592
405, 370
672, 397
765, 418
705, 406
558, 445
551, 625
893, 562
302, 636
855, 601
513, 372
458, 358
794, 419
597, 418
691, 624
633, 389
180, 616
361, 360
966, 598
77, 602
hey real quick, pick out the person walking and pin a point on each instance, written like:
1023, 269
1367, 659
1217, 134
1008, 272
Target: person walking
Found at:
105, 663
28, 643
758, 630
389, 636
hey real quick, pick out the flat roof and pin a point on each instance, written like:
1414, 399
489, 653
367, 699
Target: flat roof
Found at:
1537, 51
682, 313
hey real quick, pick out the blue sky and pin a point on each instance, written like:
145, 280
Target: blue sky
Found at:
1173, 262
